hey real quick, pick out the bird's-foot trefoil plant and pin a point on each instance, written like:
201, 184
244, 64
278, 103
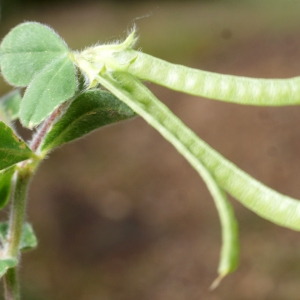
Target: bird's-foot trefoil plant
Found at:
69, 93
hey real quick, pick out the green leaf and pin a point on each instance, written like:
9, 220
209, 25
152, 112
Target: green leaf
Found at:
55, 84
89, 111
264, 201
12, 149
10, 104
27, 49
5, 185
140, 99
6, 264
28, 239
32, 54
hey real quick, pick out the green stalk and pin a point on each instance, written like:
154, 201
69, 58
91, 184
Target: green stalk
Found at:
16, 221
15, 230
17, 211
11, 285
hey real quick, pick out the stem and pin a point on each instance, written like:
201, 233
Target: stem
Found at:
15, 230
17, 212
11, 285
36, 141
23, 176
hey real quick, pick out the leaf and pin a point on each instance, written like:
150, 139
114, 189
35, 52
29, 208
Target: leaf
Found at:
27, 49
5, 185
140, 99
32, 54
10, 104
28, 239
55, 84
6, 264
12, 149
264, 201
229, 88
89, 111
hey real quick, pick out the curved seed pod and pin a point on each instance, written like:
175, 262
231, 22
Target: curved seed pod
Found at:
236, 89
136, 96
262, 200
230, 246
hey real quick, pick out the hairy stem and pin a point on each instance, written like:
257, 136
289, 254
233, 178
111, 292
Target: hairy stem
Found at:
23, 176
36, 141
17, 212
15, 230
11, 285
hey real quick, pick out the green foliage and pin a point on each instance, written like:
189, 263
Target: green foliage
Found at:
33, 55
5, 185
28, 241
10, 105
12, 149
28, 49
89, 111
52, 86
28, 238
7, 263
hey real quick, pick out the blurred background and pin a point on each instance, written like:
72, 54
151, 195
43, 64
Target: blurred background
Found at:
119, 214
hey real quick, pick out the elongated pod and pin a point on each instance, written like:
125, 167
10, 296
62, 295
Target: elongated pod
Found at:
140, 99
264, 201
235, 89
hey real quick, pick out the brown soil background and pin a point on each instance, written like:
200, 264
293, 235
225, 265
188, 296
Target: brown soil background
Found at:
119, 214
